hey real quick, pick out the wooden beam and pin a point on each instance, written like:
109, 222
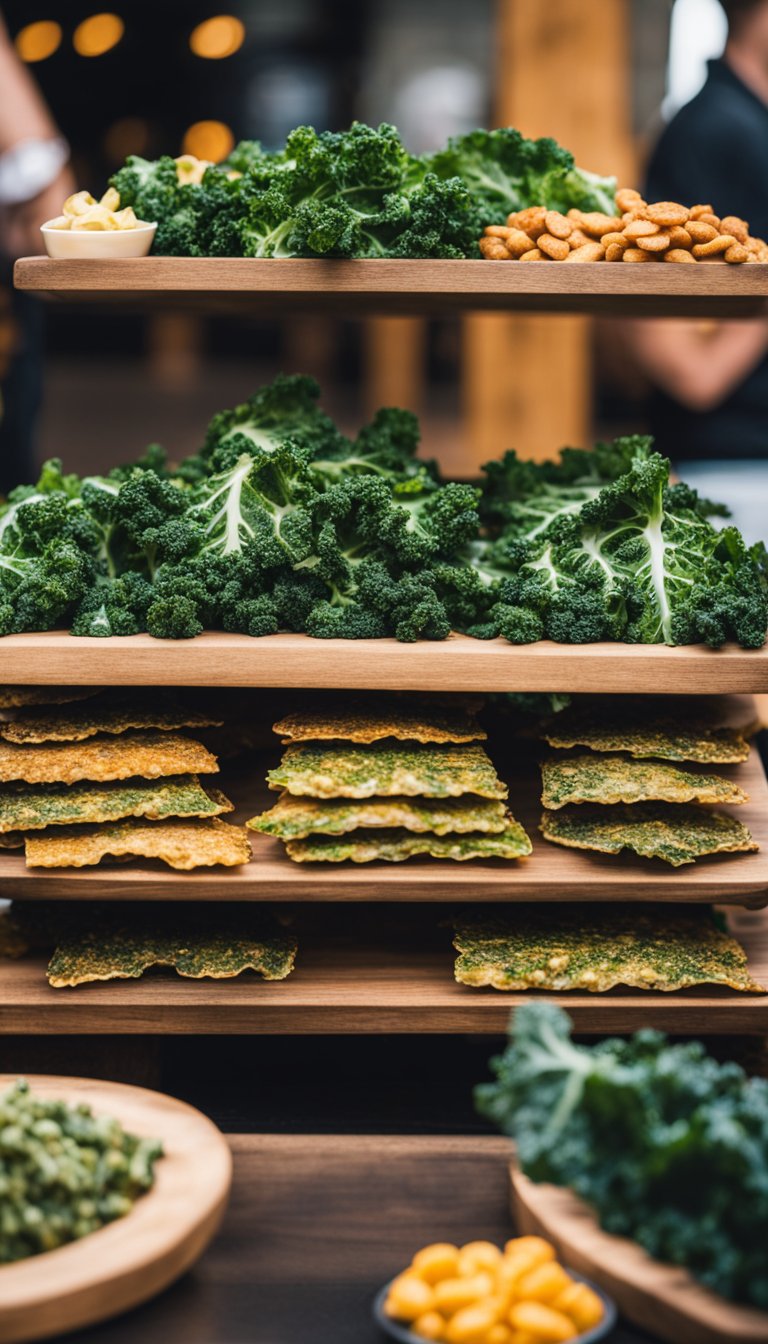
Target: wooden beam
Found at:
394, 363
562, 70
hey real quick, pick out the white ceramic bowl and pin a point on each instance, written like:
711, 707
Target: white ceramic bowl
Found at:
98, 244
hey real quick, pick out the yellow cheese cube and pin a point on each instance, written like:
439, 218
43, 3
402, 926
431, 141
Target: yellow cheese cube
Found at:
452, 1295
543, 1284
438, 1261
547, 1326
408, 1297
429, 1326
582, 1304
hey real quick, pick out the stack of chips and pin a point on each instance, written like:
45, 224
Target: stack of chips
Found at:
389, 780
614, 782
109, 775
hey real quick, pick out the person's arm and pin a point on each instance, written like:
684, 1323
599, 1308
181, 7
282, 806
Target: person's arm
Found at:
25, 116
23, 113
697, 363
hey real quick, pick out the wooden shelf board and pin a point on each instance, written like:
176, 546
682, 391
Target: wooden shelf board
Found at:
428, 286
398, 984
552, 873
455, 664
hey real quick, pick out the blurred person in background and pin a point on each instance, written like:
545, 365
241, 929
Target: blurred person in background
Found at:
709, 408
34, 182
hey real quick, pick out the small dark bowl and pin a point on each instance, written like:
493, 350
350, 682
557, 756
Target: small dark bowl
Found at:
406, 1336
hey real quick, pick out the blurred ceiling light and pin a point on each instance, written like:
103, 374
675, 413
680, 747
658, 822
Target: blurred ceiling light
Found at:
38, 41
216, 38
97, 34
211, 140
129, 135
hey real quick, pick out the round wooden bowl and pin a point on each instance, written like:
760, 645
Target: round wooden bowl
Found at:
134, 1258
664, 1299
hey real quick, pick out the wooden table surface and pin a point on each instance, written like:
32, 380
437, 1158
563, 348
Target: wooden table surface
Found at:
315, 1226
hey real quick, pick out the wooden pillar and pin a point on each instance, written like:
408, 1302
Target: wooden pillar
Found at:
562, 70
394, 363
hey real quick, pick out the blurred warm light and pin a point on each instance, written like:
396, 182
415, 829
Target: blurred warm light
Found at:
129, 135
211, 140
38, 41
98, 34
216, 38
698, 31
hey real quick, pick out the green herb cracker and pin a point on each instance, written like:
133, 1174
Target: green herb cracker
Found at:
181, 844
564, 947
396, 845
435, 771
80, 722
673, 832
150, 755
595, 778
405, 722
122, 944
648, 737
32, 807
297, 818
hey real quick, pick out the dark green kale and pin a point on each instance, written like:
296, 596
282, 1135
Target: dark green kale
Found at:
668, 1146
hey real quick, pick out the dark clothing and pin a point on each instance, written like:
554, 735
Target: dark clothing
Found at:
715, 151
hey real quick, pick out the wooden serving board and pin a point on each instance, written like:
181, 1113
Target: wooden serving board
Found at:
663, 1299
379, 978
458, 663
365, 286
551, 873
132, 1259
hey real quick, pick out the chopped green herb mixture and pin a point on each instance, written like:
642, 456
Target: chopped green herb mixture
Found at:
64, 1172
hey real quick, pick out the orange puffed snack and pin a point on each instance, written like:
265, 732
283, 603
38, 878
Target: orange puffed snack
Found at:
643, 231
481, 1293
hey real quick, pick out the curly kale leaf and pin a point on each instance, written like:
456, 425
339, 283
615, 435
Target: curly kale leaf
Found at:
283, 412
258, 505
669, 1146
504, 172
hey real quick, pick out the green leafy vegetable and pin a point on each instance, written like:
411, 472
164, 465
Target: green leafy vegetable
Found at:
504, 172
281, 522
355, 193
668, 1146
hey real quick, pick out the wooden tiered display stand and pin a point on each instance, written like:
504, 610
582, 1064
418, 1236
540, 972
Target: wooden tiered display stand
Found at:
373, 982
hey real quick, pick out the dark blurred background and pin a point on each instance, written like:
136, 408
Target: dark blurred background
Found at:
154, 78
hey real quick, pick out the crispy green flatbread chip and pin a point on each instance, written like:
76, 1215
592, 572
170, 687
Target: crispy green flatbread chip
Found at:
122, 945
15, 697
357, 723
297, 818
563, 947
597, 778
435, 771
646, 736
397, 845
179, 843
676, 833
32, 807
84, 721
149, 755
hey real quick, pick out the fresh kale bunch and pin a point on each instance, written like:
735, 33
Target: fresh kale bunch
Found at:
354, 193
504, 171
281, 522
668, 1146
600, 546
